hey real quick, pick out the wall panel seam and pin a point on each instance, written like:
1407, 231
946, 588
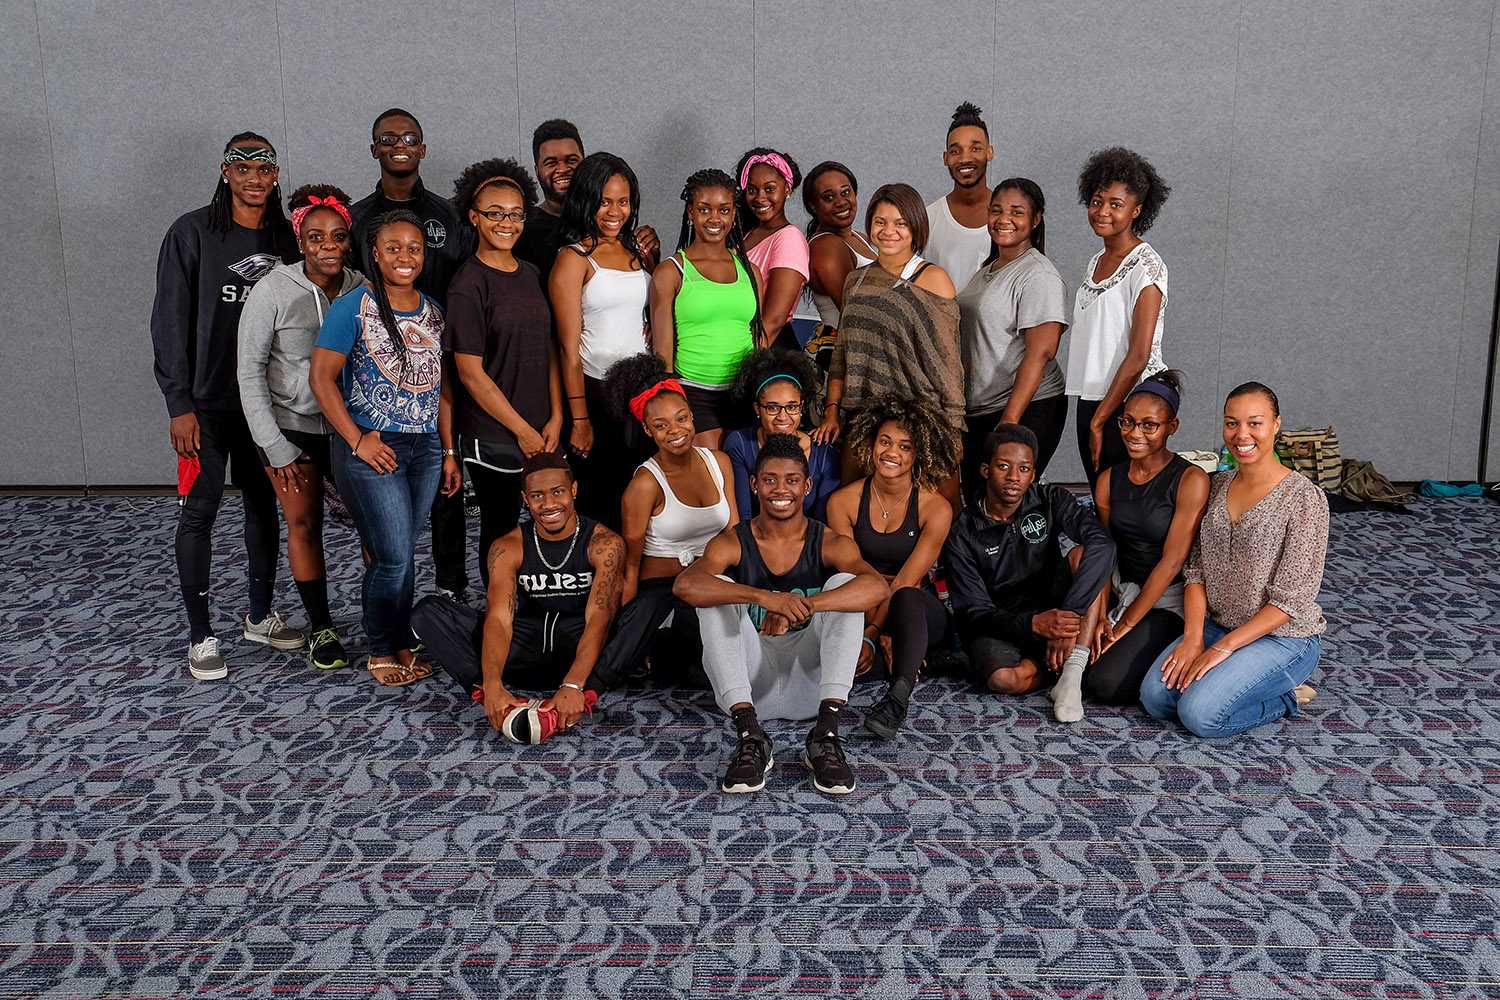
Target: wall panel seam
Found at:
286, 121
62, 246
1234, 105
1463, 293
515, 25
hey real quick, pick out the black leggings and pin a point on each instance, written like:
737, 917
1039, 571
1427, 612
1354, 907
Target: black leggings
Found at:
542, 648
1115, 678
1111, 453
226, 446
499, 496
637, 629
619, 446
916, 621
1044, 417
450, 542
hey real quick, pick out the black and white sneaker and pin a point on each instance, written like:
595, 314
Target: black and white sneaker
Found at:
748, 765
831, 773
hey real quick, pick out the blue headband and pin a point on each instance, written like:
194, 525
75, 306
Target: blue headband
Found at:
790, 378
1162, 390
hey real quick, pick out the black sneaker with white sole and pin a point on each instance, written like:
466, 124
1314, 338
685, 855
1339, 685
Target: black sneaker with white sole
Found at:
748, 765
831, 773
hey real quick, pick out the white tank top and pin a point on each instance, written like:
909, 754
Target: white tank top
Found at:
827, 311
681, 532
953, 246
614, 317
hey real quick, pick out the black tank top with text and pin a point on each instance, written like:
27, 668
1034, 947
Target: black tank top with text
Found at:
555, 576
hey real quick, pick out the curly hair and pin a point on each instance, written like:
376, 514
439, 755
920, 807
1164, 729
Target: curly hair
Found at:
469, 183
1119, 165
628, 378
304, 195
768, 363
935, 445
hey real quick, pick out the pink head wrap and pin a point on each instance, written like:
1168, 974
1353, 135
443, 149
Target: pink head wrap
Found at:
773, 160
313, 201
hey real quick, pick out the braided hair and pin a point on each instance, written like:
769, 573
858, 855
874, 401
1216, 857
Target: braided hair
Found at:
712, 177
221, 206
935, 445
377, 280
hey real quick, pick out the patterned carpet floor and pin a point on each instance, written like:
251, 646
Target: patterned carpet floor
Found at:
286, 832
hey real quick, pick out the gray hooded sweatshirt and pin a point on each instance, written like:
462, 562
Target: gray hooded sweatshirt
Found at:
279, 324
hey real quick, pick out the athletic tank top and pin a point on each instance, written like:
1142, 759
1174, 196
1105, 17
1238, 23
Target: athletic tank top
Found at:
681, 532
886, 551
614, 316
806, 577
1140, 516
555, 576
713, 324
828, 313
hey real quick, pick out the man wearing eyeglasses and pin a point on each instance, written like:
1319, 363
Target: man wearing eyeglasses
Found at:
396, 143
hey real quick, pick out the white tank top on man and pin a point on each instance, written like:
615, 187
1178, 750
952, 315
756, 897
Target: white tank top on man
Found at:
953, 246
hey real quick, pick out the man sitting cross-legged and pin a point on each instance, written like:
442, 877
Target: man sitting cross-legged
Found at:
781, 602
554, 586
1020, 604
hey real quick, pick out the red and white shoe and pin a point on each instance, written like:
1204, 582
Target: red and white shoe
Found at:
532, 724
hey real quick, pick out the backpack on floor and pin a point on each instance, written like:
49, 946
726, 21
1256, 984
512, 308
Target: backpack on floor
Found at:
1314, 452
1362, 482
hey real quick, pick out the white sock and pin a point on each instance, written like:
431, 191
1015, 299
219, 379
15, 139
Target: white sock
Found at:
1067, 694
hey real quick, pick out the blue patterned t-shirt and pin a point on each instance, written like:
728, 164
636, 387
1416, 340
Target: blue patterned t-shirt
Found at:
382, 391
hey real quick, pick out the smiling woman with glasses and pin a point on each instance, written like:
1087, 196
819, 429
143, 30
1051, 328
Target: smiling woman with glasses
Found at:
781, 390
508, 404
1151, 505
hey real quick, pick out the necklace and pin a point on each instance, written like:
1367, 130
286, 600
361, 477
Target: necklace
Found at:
536, 538
885, 515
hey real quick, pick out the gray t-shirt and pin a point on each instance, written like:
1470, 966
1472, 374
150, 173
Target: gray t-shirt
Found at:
994, 309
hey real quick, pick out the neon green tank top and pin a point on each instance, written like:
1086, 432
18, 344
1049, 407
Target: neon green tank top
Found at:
713, 325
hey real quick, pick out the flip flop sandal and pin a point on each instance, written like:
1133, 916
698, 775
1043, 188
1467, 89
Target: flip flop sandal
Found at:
391, 674
1304, 693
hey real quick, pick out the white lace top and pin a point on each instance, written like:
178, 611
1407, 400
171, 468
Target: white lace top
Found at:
1102, 313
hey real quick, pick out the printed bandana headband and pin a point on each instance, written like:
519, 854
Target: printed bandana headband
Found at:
313, 201
1161, 389
773, 160
638, 403
236, 153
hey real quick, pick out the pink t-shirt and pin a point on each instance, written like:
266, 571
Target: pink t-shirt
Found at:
786, 247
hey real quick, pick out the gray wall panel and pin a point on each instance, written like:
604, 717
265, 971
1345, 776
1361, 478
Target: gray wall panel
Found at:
664, 85
1350, 217
142, 97
44, 445
1049, 116
457, 74
870, 84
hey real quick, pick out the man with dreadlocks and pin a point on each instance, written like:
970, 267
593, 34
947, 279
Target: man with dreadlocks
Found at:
398, 145
209, 260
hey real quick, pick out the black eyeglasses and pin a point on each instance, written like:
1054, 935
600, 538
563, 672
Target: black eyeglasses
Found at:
500, 215
1148, 427
405, 138
777, 409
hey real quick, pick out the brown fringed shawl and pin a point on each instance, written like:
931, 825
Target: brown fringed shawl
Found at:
899, 339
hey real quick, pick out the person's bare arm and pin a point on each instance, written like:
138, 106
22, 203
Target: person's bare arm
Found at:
565, 290
641, 497
935, 280
783, 285
499, 621
1192, 499
726, 470
665, 283
607, 557
552, 430
867, 589
830, 262
453, 476
701, 585
1137, 353
322, 378
1041, 343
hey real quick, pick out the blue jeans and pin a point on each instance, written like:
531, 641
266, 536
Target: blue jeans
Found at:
390, 511
1251, 688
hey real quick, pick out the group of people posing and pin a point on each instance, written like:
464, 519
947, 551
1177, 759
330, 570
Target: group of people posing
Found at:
684, 478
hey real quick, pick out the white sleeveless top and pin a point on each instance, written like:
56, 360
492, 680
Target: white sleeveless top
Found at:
614, 317
681, 532
827, 312
953, 246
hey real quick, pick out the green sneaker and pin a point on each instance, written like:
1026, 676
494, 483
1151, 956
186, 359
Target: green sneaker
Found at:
326, 652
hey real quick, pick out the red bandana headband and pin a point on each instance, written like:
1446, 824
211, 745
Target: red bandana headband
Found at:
313, 201
638, 403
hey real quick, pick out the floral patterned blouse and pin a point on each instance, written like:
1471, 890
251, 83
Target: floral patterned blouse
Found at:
1274, 555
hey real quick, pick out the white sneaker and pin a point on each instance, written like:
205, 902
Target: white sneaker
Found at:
274, 632
204, 661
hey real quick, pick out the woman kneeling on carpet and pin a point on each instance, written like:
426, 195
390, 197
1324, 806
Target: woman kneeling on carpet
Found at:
899, 521
1252, 621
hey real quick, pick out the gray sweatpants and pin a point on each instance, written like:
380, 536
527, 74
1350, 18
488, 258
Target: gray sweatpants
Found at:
783, 676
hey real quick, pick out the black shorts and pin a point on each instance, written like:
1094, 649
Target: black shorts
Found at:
314, 448
988, 654
713, 409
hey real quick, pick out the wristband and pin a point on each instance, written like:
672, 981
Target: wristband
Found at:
871, 643
450, 452
585, 419
359, 441
575, 687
